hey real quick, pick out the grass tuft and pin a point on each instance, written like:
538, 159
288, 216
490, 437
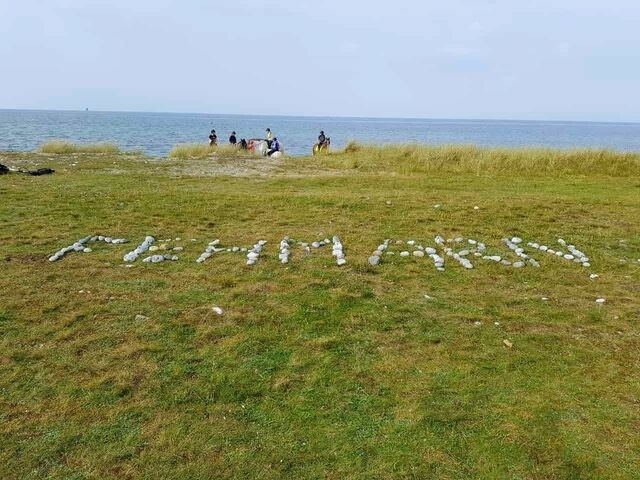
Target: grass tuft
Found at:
199, 150
421, 159
192, 150
62, 147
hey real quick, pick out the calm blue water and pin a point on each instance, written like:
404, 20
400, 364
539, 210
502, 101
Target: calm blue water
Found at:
156, 133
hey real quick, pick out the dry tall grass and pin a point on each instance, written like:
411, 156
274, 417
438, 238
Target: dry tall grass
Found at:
201, 150
407, 159
63, 147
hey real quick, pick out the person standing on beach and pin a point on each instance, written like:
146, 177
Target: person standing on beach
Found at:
232, 139
269, 137
213, 138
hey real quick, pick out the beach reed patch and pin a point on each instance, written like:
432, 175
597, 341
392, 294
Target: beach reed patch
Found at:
62, 147
424, 159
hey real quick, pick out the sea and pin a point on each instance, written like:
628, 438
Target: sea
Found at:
157, 133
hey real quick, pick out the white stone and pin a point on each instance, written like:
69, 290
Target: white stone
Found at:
516, 240
404, 254
600, 301
418, 253
217, 310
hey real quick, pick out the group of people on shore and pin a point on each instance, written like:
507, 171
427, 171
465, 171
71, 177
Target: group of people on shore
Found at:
273, 145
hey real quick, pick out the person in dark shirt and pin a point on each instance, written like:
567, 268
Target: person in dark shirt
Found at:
213, 138
275, 147
243, 144
321, 139
232, 138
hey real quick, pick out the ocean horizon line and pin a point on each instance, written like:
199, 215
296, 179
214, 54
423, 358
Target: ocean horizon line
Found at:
337, 117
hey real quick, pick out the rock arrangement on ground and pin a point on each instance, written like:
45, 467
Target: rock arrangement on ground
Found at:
458, 249
338, 251
133, 255
161, 258
460, 256
377, 254
455, 249
81, 246
254, 253
212, 247
575, 255
285, 250
514, 245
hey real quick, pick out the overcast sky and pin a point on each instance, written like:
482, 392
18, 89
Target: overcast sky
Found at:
500, 59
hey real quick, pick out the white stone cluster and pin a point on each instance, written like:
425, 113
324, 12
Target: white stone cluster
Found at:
160, 258
254, 253
81, 246
102, 238
576, 255
477, 248
133, 255
212, 247
374, 259
460, 257
78, 246
338, 251
438, 261
285, 250
514, 245
318, 244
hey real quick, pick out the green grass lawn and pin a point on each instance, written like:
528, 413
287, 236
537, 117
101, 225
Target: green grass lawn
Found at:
314, 370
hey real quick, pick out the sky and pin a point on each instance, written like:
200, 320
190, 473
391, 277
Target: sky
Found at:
480, 59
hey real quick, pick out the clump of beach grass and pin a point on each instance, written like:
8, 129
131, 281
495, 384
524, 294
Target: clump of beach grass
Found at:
420, 159
192, 150
63, 147
201, 150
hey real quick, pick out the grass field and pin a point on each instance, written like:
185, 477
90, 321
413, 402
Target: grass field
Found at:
314, 370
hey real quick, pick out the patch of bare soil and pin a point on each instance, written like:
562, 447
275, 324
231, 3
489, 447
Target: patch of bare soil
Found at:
246, 167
